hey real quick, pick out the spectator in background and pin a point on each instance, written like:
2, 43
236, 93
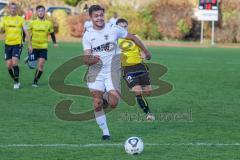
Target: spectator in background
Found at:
113, 20
85, 8
88, 23
29, 14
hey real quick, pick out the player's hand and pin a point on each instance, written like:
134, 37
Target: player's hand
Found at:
148, 55
30, 49
94, 59
55, 45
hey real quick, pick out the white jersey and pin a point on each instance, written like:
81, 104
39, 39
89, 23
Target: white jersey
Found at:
88, 24
104, 44
113, 21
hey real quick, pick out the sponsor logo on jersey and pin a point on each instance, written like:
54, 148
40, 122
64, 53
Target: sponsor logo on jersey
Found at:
106, 37
107, 47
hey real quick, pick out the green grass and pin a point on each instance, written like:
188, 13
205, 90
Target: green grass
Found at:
206, 82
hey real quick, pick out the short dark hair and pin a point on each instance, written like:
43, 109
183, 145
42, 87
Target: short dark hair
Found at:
12, 4
121, 20
94, 8
40, 6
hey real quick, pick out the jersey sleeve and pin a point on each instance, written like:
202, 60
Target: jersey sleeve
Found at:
2, 24
51, 30
121, 32
85, 24
86, 42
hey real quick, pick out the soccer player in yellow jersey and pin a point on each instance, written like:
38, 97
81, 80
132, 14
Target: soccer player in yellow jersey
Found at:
39, 29
135, 71
13, 26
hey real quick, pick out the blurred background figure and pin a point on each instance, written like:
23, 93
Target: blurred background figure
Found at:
88, 23
29, 13
85, 8
113, 20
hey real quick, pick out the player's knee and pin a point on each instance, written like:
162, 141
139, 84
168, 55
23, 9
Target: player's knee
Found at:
147, 92
137, 90
40, 67
113, 104
9, 66
14, 63
138, 93
97, 105
98, 109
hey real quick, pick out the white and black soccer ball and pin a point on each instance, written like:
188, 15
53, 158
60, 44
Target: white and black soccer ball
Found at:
134, 145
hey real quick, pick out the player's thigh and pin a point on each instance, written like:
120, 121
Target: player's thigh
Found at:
131, 75
15, 61
97, 85
113, 89
144, 81
16, 54
131, 82
112, 81
12, 55
8, 54
41, 62
9, 63
41, 56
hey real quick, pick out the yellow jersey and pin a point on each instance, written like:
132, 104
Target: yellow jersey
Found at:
13, 28
39, 31
131, 53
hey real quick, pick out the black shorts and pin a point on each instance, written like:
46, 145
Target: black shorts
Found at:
136, 75
40, 53
13, 51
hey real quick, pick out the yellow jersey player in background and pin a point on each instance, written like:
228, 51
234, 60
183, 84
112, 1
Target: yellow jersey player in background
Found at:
135, 71
39, 29
13, 27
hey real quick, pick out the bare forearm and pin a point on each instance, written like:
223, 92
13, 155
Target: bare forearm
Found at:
90, 59
25, 36
53, 37
29, 38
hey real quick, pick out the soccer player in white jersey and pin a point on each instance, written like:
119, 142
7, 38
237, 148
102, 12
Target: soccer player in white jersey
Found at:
101, 54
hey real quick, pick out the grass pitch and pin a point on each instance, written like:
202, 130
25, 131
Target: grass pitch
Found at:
198, 120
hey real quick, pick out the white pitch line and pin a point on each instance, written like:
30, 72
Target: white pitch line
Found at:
113, 144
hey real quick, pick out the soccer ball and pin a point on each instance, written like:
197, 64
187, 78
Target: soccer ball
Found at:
133, 145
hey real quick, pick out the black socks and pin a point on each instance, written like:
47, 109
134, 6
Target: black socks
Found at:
37, 75
143, 103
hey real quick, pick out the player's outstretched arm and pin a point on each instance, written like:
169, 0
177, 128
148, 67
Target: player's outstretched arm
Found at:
140, 44
89, 59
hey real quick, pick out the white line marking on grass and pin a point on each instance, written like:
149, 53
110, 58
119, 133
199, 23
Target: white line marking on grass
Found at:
194, 144
113, 144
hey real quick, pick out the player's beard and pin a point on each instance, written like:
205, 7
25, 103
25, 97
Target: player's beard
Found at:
13, 13
41, 17
99, 24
